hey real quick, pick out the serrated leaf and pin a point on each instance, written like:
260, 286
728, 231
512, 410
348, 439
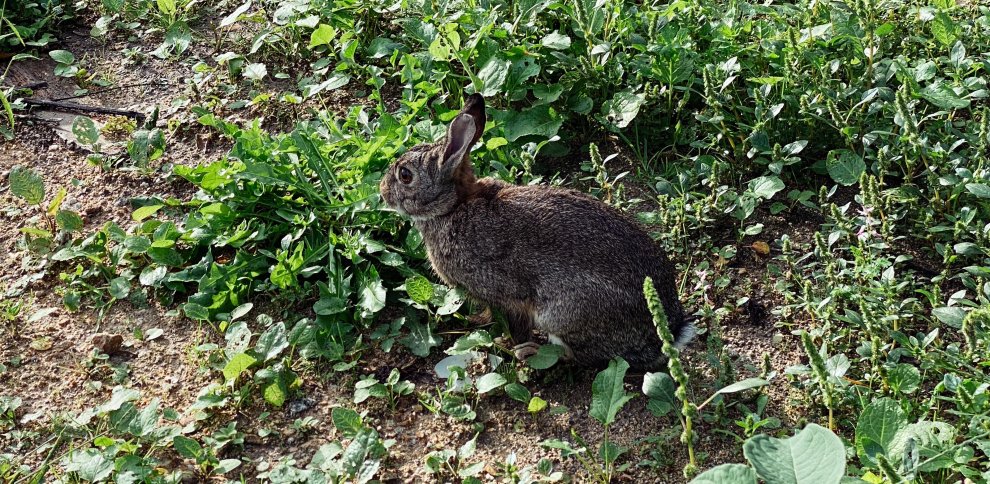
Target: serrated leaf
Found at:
420, 289
27, 184
608, 394
845, 166
814, 456
876, 427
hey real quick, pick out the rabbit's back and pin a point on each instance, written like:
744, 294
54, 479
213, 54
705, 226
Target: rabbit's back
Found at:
574, 262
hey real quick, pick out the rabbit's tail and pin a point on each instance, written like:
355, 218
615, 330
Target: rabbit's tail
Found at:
687, 333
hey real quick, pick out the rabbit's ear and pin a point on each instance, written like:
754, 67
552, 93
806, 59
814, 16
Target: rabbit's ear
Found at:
461, 135
475, 106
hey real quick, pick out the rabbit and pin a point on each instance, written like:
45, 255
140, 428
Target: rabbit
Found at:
550, 259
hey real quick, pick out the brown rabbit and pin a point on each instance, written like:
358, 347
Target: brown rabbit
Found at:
554, 259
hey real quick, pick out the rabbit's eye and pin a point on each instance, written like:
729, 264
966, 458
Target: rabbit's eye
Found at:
405, 176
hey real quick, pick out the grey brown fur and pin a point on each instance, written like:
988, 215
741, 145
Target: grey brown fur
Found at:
551, 259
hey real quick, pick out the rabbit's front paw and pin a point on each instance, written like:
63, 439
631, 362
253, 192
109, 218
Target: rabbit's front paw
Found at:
525, 350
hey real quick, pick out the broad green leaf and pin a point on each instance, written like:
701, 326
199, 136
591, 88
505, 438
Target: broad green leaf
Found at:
489, 382
517, 392
492, 76
272, 342
323, 35
942, 95
536, 405
622, 109
27, 184
845, 166
981, 190
876, 427
540, 121
727, 474
420, 339
372, 294
545, 357
814, 455
469, 342
420, 289
660, 388
743, 385
255, 72
555, 40
904, 378
236, 14
951, 316
145, 212
237, 365
85, 130
62, 56
187, 447
347, 421
68, 220
89, 465
276, 392
765, 186
608, 394
120, 287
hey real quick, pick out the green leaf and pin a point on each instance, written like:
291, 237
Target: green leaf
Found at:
145, 212
951, 316
489, 382
979, 189
238, 364
255, 72
89, 465
420, 289
372, 294
536, 405
420, 339
608, 394
814, 456
120, 287
845, 166
876, 427
555, 40
27, 184
323, 35
85, 130
272, 342
469, 342
195, 311
187, 447
62, 56
727, 474
944, 29
765, 186
743, 385
517, 392
540, 121
660, 388
942, 95
904, 378
492, 76
68, 220
276, 392
622, 109
236, 14
545, 357
347, 421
